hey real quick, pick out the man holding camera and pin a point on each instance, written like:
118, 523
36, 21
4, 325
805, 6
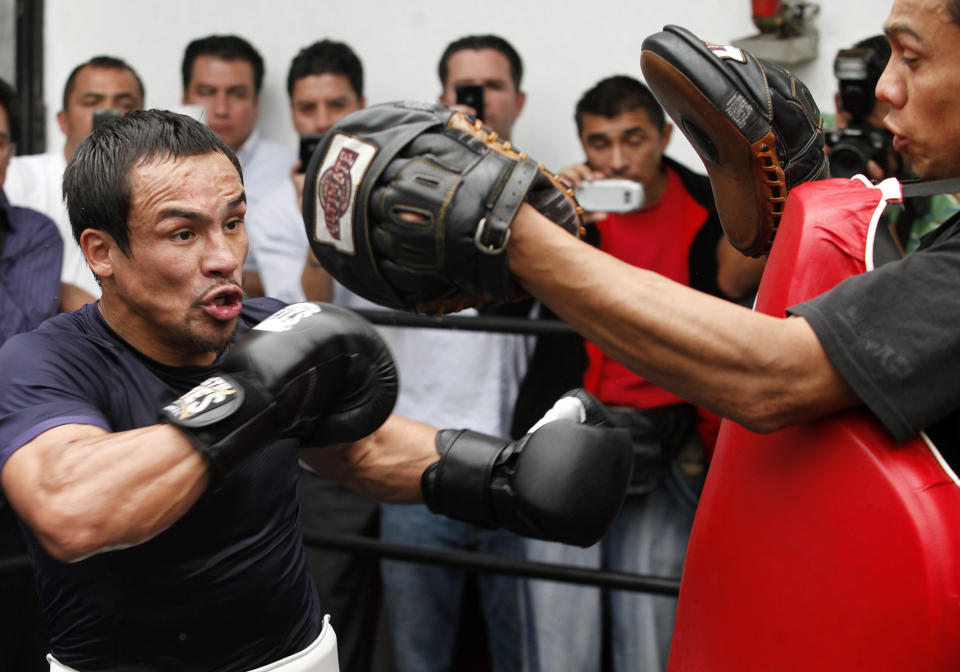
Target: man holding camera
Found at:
224, 74
102, 83
446, 376
860, 144
325, 83
674, 230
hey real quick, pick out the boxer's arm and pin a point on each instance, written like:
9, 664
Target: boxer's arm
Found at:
386, 465
760, 371
83, 490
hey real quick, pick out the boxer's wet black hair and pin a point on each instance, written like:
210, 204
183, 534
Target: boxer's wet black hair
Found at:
615, 95
96, 182
327, 57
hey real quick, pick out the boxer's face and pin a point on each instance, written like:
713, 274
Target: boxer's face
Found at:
320, 101
919, 82
227, 91
95, 88
490, 69
176, 294
627, 146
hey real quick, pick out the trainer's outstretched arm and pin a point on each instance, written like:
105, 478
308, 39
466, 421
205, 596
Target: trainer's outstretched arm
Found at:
760, 371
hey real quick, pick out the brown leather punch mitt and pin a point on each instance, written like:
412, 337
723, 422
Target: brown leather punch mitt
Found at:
755, 126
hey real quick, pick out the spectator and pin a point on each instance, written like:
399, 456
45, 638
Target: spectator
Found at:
36, 181
675, 232
457, 377
224, 74
31, 254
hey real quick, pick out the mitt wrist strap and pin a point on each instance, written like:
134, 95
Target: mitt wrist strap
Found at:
493, 231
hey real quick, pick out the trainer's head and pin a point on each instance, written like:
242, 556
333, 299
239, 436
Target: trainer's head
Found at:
9, 126
493, 63
919, 83
156, 202
101, 82
624, 132
325, 84
224, 73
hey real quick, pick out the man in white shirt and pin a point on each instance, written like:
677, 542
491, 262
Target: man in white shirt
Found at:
35, 181
224, 74
325, 83
458, 377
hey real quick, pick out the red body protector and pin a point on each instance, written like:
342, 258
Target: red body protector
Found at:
823, 546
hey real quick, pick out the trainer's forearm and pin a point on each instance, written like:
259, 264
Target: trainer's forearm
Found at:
761, 371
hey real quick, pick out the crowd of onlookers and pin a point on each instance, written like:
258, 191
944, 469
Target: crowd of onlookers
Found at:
495, 383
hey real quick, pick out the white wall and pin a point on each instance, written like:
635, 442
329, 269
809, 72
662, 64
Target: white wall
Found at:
566, 47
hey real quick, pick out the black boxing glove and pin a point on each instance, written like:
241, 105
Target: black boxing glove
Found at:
564, 481
312, 371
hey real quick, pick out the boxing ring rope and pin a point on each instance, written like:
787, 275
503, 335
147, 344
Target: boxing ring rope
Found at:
506, 325
497, 564
466, 560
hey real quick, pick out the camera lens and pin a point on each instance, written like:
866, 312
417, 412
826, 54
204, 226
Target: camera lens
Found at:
847, 158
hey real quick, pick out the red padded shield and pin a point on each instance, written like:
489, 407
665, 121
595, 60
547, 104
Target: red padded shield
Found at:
824, 546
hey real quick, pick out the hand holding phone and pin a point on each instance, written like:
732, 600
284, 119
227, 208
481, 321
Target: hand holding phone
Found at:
308, 143
102, 115
472, 96
610, 195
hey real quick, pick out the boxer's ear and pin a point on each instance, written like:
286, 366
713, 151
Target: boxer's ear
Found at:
96, 245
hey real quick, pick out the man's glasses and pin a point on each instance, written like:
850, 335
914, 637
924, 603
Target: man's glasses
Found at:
6, 144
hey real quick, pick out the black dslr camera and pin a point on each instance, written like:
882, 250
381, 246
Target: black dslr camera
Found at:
858, 71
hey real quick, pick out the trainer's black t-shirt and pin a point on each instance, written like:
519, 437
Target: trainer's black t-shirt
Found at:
224, 588
894, 336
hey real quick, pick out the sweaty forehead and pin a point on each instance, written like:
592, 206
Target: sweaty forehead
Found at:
200, 180
924, 21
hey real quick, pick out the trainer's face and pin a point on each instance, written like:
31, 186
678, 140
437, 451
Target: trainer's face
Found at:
229, 97
320, 101
176, 295
627, 146
96, 88
502, 103
919, 82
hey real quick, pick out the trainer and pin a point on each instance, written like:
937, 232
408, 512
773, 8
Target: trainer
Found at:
175, 545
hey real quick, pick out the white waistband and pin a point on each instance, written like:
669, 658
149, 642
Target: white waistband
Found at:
320, 656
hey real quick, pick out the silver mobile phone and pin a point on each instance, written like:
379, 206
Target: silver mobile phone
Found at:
614, 195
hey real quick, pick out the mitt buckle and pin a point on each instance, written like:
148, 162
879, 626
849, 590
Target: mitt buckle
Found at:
491, 249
